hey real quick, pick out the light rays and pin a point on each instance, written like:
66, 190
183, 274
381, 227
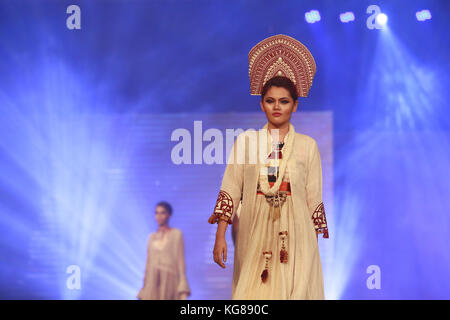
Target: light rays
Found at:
69, 157
391, 190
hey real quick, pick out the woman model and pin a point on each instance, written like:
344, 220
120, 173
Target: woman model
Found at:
281, 212
165, 274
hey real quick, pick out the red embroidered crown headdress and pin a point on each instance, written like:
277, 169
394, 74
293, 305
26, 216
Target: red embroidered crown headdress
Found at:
281, 55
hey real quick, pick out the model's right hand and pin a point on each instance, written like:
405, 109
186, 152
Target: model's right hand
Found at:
220, 251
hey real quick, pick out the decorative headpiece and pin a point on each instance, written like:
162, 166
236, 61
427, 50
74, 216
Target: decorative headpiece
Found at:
281, 55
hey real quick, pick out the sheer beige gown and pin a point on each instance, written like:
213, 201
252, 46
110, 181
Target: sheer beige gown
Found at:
165, 271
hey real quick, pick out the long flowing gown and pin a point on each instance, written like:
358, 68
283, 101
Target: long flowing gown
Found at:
279, 283
302, 216
165, 271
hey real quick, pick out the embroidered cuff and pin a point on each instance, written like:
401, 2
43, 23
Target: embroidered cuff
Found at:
320, 221
223, 209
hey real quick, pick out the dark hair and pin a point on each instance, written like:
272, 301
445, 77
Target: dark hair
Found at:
166, 206
280, 81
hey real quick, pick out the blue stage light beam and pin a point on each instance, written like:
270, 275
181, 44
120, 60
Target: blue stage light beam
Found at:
395, 194
73, 166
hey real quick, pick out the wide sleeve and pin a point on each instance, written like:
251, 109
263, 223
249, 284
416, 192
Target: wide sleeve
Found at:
183, 286
231, 189
314, 191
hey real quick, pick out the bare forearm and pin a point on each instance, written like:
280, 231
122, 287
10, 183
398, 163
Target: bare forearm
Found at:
221, 229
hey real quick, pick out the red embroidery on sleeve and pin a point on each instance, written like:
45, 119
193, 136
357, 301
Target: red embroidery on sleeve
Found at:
320, 220
223, 209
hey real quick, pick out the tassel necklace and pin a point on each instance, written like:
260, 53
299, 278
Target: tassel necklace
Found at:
273, 195
267, 254
275, 198
263, 181
265, 274
283, 251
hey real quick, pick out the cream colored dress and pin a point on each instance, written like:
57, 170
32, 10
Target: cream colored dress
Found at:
279, 284
165, 271
302, 215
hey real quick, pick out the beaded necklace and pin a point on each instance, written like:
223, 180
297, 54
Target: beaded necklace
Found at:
273, 196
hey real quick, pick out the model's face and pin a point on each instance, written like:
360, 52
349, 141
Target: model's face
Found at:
278, 106
161, 215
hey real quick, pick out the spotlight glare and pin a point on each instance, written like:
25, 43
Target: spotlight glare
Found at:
423, 15
312, 16
382, 19
347, 17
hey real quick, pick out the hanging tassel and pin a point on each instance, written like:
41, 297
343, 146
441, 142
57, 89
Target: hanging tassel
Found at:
283, 251
276, 211
283, 256
265, 273
277, 206
271, 214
